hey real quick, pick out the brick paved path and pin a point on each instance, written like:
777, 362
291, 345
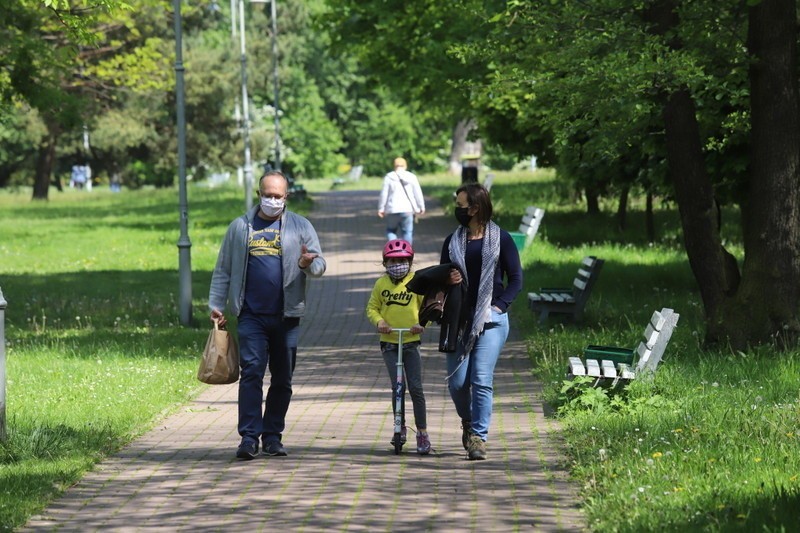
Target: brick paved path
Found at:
341, 473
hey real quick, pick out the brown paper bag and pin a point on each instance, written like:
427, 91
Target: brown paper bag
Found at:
220, 363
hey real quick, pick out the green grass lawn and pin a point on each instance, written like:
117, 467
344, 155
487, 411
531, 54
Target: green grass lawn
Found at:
91, 280
92, 327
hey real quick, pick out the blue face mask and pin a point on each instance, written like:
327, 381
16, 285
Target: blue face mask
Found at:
398, 270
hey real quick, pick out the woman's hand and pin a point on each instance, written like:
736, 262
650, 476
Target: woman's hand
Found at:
455, 277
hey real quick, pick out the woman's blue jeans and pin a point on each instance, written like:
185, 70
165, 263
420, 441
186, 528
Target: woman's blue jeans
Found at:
265, 340
471, 378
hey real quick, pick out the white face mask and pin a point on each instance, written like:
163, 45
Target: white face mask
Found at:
272, 207
398, 270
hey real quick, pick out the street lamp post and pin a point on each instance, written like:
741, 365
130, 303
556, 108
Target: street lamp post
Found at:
248, 166
274, 17
184, 244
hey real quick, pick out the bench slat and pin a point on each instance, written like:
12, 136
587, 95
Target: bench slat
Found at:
644, 354
576, 367
625, 371
608, 369
651, 336
592, 368
658, 320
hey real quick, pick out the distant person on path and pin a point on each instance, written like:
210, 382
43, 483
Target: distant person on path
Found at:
487, 255
78, 176
261, 272
392, 305
401, 199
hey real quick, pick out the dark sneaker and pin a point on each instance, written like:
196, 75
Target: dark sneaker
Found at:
423, 444
476, 450
403, 436
465, 433
275, 449
248, 449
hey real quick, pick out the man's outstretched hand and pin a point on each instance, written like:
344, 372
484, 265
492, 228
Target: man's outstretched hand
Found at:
306, 258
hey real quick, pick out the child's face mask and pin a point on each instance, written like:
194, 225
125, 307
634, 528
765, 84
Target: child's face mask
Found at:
398, 270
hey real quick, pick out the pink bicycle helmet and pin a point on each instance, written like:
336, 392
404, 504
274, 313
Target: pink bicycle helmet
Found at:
398, 248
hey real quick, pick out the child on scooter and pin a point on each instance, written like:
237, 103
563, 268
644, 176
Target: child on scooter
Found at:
392, 305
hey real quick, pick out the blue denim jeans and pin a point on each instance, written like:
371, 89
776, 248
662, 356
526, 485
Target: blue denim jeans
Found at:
412, 366
400, 226
265, 340
471, 378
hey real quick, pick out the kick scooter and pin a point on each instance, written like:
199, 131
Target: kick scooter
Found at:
399, 394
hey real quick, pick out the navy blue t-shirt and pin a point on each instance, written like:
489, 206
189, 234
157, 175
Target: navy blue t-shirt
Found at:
263, 292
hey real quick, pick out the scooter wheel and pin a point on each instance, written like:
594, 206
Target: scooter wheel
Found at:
398, 445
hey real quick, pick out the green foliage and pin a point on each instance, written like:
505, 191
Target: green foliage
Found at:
709, 443
92, 328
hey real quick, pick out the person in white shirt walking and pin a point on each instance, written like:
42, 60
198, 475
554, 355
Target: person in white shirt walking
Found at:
401, 199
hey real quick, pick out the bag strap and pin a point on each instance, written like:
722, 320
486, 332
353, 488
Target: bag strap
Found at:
403, 186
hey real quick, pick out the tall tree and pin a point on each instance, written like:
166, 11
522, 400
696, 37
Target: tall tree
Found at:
408, 46
612, 75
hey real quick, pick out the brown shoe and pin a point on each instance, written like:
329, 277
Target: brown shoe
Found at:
465, 433
476, 450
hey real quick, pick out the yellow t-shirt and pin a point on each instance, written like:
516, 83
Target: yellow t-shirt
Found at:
395, 304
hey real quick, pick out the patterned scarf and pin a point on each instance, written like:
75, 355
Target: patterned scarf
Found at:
490, 256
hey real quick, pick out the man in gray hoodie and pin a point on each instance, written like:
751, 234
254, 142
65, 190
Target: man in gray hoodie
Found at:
260, 274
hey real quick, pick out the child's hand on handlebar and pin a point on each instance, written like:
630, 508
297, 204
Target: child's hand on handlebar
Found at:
384, 327
416, 328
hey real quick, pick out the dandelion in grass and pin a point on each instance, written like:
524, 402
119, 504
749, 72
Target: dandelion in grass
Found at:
602, 453
757, 459
657, 455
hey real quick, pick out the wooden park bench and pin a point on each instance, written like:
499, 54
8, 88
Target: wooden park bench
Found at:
528, 227
611, 366
296, 190
567, 301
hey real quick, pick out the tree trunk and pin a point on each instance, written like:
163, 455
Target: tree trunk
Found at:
693, 188
622, 209
695, 198
766, 305
459, 139
45, 162
592, 201
649, 218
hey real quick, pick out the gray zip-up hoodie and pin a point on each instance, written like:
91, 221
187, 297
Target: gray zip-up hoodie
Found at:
227, 281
